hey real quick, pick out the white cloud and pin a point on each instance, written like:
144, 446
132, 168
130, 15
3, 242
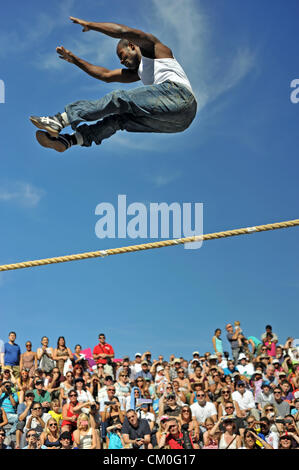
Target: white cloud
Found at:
184, 26
24, 194
164, 180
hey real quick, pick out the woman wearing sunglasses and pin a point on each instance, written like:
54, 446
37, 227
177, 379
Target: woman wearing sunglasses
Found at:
70, 412
84, 435
50, 436
193, 428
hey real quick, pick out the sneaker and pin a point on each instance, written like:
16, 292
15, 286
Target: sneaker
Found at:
52, 124
60, 143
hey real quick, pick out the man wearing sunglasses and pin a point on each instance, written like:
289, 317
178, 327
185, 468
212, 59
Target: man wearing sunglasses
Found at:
203, 409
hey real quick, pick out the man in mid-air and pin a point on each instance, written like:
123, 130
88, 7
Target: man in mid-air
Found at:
165, 103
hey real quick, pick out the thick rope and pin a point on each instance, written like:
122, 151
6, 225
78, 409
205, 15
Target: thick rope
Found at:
150, 246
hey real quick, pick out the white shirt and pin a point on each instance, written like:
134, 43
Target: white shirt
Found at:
201, 413
246, 370
245, 401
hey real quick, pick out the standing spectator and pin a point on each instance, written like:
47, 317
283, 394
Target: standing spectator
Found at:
147, 357
282, 406
103, 352
217, 341
78, 357
233, 340
136, 432
45, 356
29, 359
245, 400
270, 344
61, 354
12, 355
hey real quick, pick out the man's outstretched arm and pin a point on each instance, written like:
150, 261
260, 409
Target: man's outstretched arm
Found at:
119, 31
100, 73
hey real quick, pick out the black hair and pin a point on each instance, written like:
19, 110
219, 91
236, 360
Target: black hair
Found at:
12, 333
122, 44
61, 337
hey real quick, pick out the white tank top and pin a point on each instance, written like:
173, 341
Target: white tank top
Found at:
155, 71
86, 441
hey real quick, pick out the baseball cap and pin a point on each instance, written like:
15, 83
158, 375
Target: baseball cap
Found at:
195, 352
29, 393
266, 384
177, 360
213, 356
39, 381
275, 361
144, 362
241, 383
241, 356
282, 373
137, 354
159, 368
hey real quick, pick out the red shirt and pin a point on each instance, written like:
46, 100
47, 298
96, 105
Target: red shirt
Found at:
102, 349
174, 444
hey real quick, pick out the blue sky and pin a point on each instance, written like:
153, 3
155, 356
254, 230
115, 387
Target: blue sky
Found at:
239, 158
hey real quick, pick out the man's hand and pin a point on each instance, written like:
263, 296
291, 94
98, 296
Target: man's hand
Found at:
65, 54
81, 23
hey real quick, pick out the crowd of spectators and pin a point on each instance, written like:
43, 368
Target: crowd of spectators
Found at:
56, 398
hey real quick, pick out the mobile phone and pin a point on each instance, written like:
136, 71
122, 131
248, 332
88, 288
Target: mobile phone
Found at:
144, 401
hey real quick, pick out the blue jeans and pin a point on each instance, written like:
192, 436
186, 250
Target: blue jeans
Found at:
168, 108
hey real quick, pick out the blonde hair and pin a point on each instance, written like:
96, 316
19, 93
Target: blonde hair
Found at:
237, 323
83, 417
47, 427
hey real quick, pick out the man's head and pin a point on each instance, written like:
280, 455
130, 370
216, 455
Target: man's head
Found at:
229, 328
129, 54
31, 437
277, 392
2, 436
66, 440
172, 426
241, 387
201, 397
12, 336
138, 358
132, 418
102, 338
268, 328
110, 392
144, 366
270, 371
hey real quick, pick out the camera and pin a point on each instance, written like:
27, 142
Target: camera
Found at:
279, 420
109, 402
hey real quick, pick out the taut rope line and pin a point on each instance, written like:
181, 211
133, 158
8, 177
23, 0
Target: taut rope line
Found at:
150, 246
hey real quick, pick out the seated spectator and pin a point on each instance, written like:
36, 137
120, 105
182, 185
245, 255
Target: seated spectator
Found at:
181, 398
84, 435
186, 418
294, 411
23, 384
114, 437
228, 439
271, 437
131, 401
42, 396
174, 438
29, 359
65, 387
102, 392
122, 386
282, 406
53, 386
226, 401
230, 368
216, 387
211, 442
287, 393
144, 373
265, 396
70, 412
3, 418
94, 385
136, 366
37, 419
9, 402
113, 414
31, 438
252, 441
268, 329
23, 411
245, 400
66, 440
2, 438
245, 367
286, 441
168, 405
77, 371
203, 409
136, 432
83, 395
50, 436
55, 411
269, 411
